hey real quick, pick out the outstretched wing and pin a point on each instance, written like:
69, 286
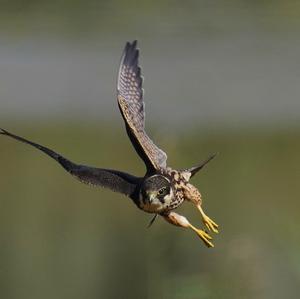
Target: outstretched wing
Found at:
115, 180
131, 104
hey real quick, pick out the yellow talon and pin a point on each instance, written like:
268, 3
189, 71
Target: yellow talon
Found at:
205, 237
210, 224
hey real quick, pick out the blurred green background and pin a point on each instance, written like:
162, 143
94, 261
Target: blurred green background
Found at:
220, 76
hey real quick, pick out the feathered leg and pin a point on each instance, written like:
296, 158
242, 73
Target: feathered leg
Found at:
181, 221
192, 194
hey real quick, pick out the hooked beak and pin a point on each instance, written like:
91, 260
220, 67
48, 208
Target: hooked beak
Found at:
151, 196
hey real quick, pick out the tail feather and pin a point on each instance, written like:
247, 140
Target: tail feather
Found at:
195, 169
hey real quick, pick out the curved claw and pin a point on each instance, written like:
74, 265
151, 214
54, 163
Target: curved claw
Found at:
210, 224
204, 236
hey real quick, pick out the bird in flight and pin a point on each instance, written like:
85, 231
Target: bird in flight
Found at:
162, 189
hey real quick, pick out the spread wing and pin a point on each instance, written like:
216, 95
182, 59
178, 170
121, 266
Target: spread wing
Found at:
115, 180
131, 104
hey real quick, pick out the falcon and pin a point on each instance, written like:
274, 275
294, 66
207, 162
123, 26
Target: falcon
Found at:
162, 189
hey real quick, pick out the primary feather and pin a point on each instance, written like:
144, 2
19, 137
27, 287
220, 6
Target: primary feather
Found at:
132, 107
115, 180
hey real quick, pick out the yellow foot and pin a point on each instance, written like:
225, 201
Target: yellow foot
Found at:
210, 224
205, 237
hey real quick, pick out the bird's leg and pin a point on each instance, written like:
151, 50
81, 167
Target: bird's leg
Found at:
192, 194
210, 224
181, 221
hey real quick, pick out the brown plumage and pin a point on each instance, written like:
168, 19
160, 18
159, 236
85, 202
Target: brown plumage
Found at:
162, 189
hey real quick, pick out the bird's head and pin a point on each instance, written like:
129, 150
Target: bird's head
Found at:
155, 193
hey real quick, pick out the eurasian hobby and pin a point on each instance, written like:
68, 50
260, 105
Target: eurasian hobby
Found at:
162, 189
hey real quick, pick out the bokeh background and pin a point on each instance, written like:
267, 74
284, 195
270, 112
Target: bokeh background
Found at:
221, 76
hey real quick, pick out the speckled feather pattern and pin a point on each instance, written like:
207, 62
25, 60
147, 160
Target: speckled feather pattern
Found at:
162, 189
130, 99
183, 190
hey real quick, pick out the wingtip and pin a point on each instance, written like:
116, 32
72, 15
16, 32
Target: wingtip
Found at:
130, 45
134, 43
2, 131
130, 59
131, 53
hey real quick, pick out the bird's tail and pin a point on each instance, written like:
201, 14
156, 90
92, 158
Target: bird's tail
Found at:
65, 163
193, 170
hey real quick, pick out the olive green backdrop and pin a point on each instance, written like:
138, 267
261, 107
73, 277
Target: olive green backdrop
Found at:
220, 77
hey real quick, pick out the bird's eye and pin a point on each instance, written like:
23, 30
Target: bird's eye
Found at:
162, 191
